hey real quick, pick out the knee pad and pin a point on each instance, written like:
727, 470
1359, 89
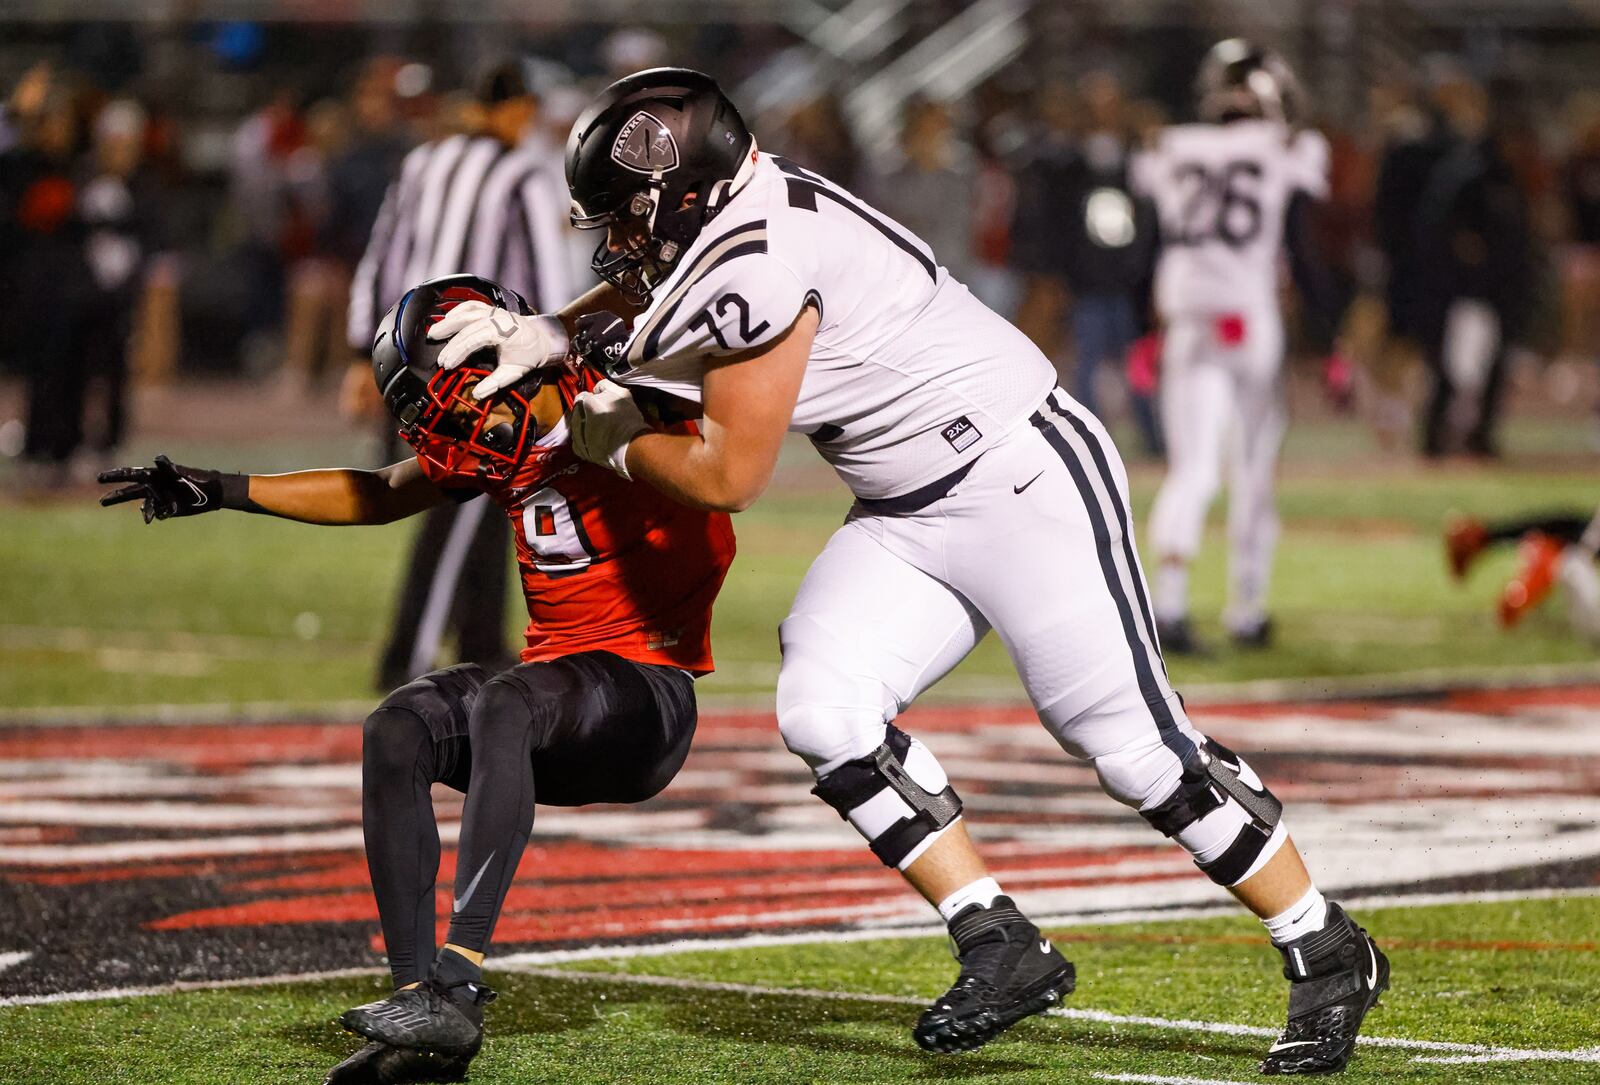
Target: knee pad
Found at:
824, 714
897, 797
505, 711
1222, 814
426, 709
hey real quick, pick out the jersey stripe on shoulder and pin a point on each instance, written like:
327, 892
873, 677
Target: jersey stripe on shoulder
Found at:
805, 187
750, 237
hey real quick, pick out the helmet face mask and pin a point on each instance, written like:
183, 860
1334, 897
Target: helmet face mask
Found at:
437, 414
459, 434
629, 256
651, 161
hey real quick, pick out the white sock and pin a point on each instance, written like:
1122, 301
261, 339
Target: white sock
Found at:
1308, 914
981, 892
1171, 591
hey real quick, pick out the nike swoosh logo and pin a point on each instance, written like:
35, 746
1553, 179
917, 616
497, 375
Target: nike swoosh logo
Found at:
199, 494
1372, 980
472, 886
1025, 485
1293, 1043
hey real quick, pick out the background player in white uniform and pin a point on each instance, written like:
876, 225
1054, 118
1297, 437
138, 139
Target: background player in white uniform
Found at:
1232, 193
775, 300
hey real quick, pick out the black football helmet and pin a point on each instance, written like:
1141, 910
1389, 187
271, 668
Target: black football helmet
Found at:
663, 150
437, 414
1240, 79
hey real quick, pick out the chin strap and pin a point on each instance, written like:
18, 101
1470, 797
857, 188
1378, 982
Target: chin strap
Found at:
723, 191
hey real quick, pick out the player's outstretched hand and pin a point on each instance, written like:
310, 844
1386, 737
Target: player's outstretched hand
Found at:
603, 423
522, 343
167, 489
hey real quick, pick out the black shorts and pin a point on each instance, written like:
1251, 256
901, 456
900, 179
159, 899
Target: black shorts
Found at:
620, 735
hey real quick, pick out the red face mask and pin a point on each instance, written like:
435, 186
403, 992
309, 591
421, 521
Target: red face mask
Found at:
456, 432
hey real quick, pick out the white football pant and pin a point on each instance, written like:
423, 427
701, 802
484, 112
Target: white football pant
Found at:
1221, 405
1035, 543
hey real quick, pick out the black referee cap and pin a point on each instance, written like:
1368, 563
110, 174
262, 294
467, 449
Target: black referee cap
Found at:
501, 81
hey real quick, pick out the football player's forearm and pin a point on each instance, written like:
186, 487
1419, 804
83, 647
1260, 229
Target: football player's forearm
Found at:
604, 298
691, 472
338, 497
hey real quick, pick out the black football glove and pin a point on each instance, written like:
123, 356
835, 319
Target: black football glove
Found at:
170, 489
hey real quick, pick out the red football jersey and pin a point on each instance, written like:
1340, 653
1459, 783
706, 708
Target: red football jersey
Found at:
607, 564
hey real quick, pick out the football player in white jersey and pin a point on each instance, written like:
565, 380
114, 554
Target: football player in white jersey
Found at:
1233, 194
773, 300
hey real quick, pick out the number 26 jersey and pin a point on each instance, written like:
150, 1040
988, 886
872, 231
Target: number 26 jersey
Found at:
1222, 192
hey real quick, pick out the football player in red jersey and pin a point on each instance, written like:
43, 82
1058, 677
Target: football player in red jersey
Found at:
619, 580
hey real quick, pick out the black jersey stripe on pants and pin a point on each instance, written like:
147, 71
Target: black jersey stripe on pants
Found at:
1172, 735
589, 727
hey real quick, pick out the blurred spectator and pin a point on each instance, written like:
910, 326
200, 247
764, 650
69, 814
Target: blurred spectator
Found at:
1580, 189
1454, 226
932, 189
259, 193
817, 135
633, 49
118, 209
46, 274
318, 283
1081, 229
994, 210
359, 173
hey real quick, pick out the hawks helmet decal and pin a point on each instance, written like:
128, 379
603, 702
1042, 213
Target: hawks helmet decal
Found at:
645, 145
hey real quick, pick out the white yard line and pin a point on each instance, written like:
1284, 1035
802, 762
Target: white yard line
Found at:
1478, 1052
1463, 1052
532, 962
182, 986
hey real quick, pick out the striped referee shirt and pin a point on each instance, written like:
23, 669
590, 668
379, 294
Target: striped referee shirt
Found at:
465, 204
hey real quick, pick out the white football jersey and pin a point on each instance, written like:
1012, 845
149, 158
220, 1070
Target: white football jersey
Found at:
1222, 191
910, 377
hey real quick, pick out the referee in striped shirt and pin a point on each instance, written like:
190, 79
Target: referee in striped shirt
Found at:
481, 202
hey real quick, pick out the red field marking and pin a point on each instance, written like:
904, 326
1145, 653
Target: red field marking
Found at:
739, 846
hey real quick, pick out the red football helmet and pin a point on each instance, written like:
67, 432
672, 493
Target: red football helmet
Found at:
437, 414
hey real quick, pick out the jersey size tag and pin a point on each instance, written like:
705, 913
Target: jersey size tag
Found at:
961, 433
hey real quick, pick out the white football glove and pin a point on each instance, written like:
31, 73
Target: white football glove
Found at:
604, 423
523, 343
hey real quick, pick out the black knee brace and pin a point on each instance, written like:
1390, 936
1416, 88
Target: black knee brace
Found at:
885, 802
1211, 780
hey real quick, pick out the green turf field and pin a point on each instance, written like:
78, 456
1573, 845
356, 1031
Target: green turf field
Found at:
1509, 976
102, 610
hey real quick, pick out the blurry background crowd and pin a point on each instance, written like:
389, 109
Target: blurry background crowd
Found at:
184, 194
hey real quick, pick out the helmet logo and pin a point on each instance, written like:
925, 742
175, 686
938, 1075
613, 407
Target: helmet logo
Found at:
645, 145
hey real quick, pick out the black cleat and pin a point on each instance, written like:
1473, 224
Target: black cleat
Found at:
380, 1064
1253, 637
430, 1016
1008, 971
1177, 639
1336, 976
